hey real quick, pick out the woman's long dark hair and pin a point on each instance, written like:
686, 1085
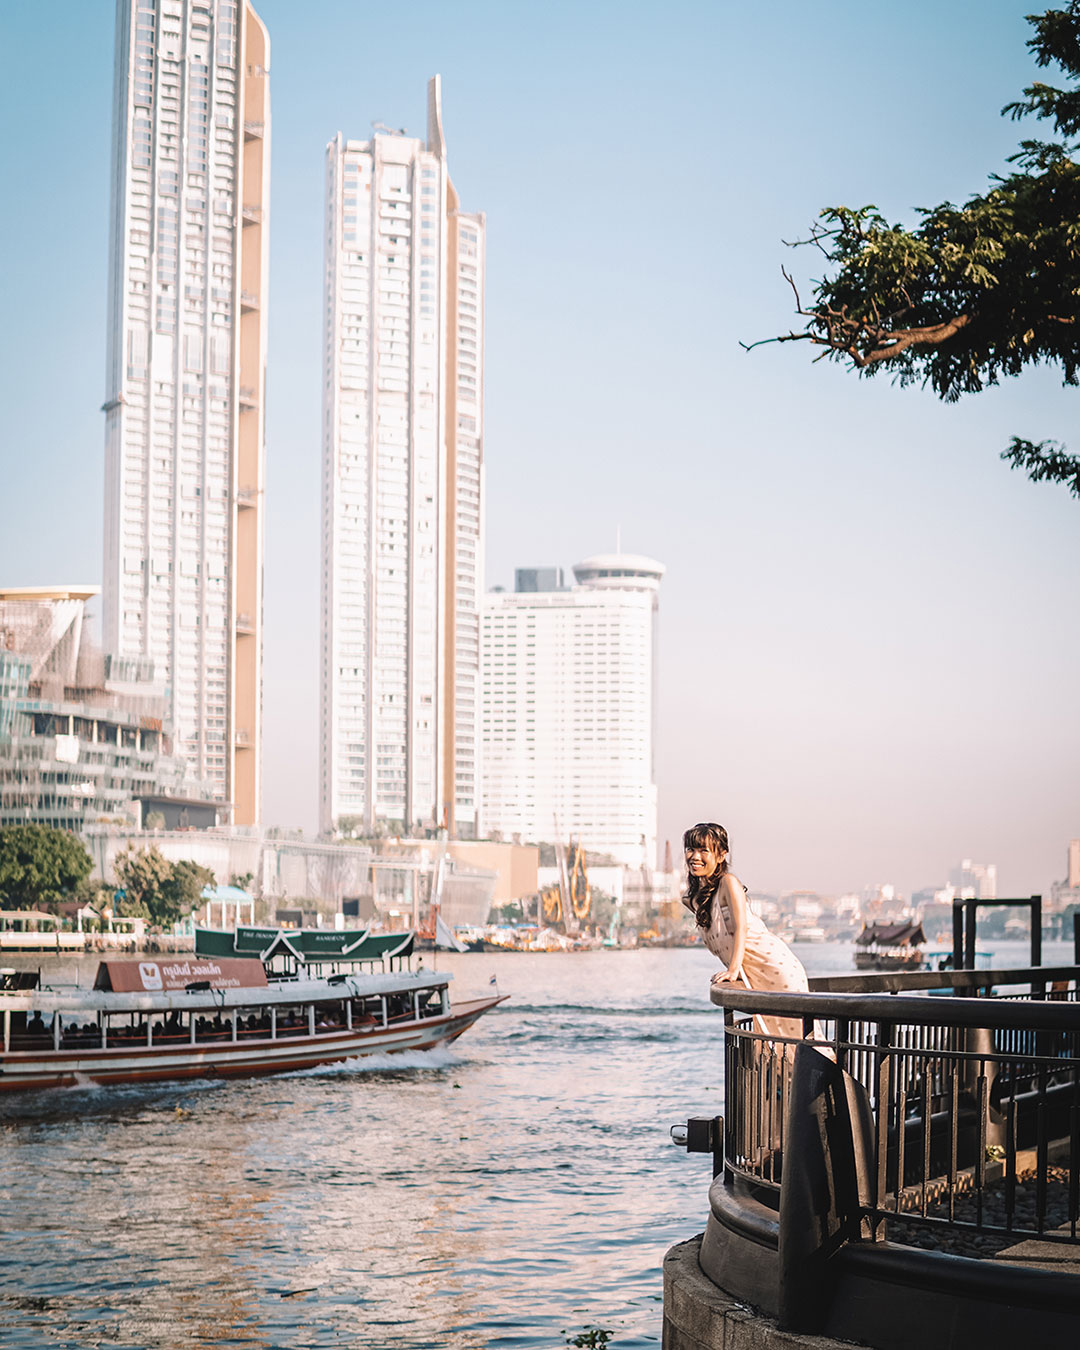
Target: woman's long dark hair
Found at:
700, 890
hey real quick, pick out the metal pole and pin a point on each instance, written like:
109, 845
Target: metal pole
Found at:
1036, 930
958, 935
970, 915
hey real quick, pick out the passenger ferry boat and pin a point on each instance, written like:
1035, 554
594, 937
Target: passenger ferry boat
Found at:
269, 1006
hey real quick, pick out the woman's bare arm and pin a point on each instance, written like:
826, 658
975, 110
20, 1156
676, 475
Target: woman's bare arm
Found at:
731, 894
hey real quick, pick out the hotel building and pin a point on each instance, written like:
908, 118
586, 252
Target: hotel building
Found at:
568, 679
186, 375
402, 481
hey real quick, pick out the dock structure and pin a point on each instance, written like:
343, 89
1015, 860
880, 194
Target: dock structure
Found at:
907, 1172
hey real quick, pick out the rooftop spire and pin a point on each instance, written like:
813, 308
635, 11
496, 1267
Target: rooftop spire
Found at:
435, 142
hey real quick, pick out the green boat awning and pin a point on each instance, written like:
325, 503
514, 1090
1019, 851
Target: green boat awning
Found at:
307, 946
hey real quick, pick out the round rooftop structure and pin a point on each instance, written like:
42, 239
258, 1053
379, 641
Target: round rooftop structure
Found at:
623, 571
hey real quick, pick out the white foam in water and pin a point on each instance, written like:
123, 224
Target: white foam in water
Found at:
439, 1058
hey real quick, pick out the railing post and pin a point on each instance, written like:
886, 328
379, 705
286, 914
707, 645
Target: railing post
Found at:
730, 1094
958, 935
971, 911
1036, 930
886, 1032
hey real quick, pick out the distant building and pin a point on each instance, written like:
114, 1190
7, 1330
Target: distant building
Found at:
84, 739
402, 479
568, 706
538, 579
1067, 892
185, 395
974, 880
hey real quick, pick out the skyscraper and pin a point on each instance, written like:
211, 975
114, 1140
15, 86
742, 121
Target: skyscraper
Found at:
568, 679
186, 374
402, 480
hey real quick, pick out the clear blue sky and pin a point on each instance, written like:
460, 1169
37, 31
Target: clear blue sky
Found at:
870, 626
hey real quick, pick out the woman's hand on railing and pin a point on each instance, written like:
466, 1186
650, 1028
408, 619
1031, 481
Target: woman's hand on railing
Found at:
733, 975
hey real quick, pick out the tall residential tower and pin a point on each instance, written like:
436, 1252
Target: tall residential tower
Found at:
402, 479
186, 374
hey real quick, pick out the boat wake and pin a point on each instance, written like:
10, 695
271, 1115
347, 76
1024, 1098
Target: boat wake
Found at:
405, 1061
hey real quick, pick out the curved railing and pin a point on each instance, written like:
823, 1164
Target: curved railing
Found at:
896, 1121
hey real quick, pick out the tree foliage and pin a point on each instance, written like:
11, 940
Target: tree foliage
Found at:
973, 292
161, 890
40, 865
182, 892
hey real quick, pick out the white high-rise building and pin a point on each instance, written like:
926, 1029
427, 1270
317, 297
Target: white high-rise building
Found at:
402, 480
186, 374
568, 679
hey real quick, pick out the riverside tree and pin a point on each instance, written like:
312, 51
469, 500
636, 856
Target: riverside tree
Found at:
977, 291
40, 865
156, 888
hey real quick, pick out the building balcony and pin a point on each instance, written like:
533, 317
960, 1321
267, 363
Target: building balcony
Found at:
251, 215
245, 624
247, 397
247, 498
242, 738
248, 301
254, 131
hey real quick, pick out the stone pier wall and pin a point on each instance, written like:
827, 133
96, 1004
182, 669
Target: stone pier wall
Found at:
699, 1316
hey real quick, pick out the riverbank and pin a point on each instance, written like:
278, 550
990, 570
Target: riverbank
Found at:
74, 944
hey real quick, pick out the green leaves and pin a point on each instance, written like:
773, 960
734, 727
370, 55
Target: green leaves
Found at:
973, 292
153, 885
40, 865
1045, 461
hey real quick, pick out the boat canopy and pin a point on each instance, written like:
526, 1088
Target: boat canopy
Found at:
306, 946
905, 934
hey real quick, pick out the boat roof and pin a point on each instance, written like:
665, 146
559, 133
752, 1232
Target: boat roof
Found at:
282, 993
305, 945
907, 933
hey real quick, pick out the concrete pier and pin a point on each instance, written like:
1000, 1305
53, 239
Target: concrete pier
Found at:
699, 1316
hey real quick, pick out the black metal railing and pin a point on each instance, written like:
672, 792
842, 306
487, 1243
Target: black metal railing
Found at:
963, 1110
965, 919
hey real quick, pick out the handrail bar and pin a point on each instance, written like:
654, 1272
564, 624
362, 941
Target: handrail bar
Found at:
898, 980
955, 1012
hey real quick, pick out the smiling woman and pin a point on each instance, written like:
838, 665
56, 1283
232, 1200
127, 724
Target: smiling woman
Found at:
752, 955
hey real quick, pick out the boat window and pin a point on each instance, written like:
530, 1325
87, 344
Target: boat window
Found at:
77, 1033
127, 1032
32, 1034
366, 1011
399, 1007
215, 1028
329, 1017
291, 1022
170, 1027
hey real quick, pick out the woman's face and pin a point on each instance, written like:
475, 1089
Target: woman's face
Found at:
704, 861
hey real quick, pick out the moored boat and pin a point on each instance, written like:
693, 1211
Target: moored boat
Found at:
890, 946
206, 1016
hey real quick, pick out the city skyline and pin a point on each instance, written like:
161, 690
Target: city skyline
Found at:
868, 657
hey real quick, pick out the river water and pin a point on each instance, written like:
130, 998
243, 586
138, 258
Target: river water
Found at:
514, 1189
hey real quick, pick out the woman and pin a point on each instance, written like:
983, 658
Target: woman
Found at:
754, 957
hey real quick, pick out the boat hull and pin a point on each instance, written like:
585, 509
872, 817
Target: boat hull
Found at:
26, 1071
